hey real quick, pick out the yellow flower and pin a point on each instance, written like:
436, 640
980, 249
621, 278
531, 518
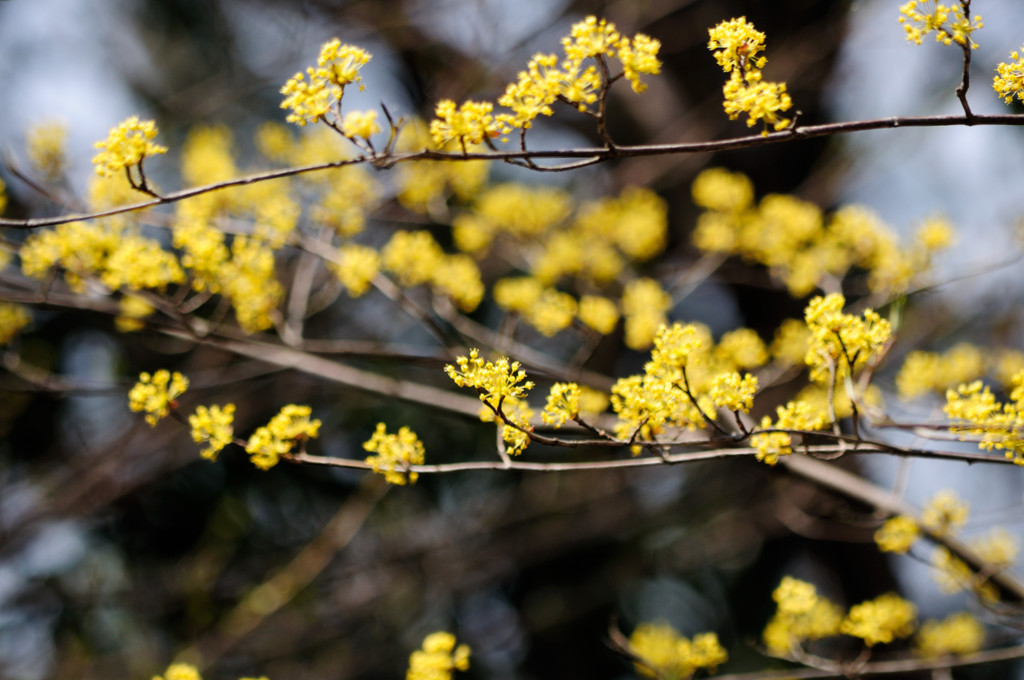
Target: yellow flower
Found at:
563, 404
644, 303
897, 534
552, 312
213, 426
1009, 80
155, 394
357, 268
666, 655
46, 149
590, 38
493, 381
945, 513
735, 44
839, 340
395, 453
360, 124
959, 633
759, 99
438, 658
639, 56
532, 95
126, 145
458, 277
309, 102
413, 256
517, 294
13, 318
802, 614
880, 620
337, 66
950, 24
734, 392
278, 437
180, 671
340, 63
599, 313
723, 191
133, 308
468, 124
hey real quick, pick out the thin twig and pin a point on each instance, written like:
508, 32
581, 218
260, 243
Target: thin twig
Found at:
600, 153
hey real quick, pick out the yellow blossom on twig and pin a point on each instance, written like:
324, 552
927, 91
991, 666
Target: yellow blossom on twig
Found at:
897, 534
395, 453
289, 427
438, 658
882, 619
126, 145
156, 394
212, 426
1009, 80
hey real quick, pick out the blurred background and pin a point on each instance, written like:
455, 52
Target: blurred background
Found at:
121, 550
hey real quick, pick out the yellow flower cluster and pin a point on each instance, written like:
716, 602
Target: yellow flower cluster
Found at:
733, 391
356, 267
801, 614
1009, 79
664, 654
438, 658
184, 671
502, 386
593, 248
337, 66
13, 318
953, 575
937, 372
841, 343
494, 381
897, 534
736, 44
155, 394
133, 309
470, 123
795, 415
126, 145
289, 427
548, 79
945, 513
45, 148
360, 124
948, 22
180, 671
645, 305
799, 245
994, 425
243, 269
248, 280
882, 619
109, 253
998, 548
395, 453
959, 633
423, 186
213, 426
686, 378
415, 258
563, 404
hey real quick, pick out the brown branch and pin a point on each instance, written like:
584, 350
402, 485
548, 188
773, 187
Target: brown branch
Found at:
598, 154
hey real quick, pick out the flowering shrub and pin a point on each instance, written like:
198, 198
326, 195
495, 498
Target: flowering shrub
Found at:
518, 287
